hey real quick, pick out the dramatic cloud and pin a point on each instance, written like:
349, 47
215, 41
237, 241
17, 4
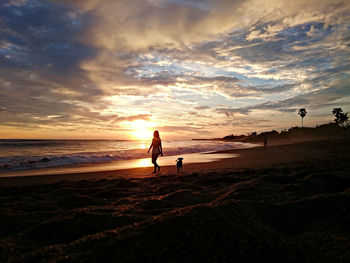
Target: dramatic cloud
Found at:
201, 67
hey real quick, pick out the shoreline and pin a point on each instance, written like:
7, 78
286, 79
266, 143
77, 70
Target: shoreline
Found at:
245, 158
201, 157
42, 159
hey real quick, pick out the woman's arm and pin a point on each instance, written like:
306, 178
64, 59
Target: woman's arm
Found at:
150, 147
161, 148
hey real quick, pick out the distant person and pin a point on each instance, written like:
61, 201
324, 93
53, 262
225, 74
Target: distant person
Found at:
156, 147
179, 165
265, 142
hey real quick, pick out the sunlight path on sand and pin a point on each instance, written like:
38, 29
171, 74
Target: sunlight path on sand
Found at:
123, 164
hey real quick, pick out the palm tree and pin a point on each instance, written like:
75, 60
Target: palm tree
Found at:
344, 118
341, 118
302, 112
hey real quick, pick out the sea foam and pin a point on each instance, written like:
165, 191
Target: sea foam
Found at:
41, 154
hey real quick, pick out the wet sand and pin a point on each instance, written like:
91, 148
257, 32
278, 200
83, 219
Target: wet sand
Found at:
117, 165
288, 203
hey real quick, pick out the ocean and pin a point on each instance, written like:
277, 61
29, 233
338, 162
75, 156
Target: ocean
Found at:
34, 154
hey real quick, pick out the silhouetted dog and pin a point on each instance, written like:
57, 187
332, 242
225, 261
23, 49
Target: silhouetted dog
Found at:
179, 165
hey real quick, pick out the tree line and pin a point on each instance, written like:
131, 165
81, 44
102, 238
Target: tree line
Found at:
341, 118
335, 129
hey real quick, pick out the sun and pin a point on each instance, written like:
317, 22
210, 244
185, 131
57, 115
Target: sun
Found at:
142, 130
142, 134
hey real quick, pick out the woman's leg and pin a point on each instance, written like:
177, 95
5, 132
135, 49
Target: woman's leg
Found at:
154, 161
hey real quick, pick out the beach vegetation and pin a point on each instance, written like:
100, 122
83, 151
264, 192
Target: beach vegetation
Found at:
302, 112
324, 131
341, 118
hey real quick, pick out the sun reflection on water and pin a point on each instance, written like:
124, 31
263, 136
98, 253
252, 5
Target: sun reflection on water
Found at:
144, 163
142, 145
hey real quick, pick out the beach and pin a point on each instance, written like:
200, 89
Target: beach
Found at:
287, 203
174, 131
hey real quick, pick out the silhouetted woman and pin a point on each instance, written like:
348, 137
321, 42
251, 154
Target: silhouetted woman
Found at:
156, 150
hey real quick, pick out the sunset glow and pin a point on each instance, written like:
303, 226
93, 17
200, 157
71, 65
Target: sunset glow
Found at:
144, 163
141, 130
190, 69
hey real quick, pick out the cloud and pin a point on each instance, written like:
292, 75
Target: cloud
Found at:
142, 24
316, 99
201, 107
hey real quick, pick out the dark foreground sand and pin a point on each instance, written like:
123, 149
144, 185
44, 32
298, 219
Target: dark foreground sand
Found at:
289, 203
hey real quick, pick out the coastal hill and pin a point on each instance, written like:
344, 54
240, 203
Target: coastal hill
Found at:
325, 131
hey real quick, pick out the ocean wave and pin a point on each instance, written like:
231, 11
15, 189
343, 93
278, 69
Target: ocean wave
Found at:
31, 162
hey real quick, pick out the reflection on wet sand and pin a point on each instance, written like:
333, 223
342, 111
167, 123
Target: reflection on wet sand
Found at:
143, 162
120, 165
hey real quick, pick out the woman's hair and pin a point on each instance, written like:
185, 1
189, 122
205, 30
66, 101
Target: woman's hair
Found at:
156, 134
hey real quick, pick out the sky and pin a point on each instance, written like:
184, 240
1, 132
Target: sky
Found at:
107, 69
